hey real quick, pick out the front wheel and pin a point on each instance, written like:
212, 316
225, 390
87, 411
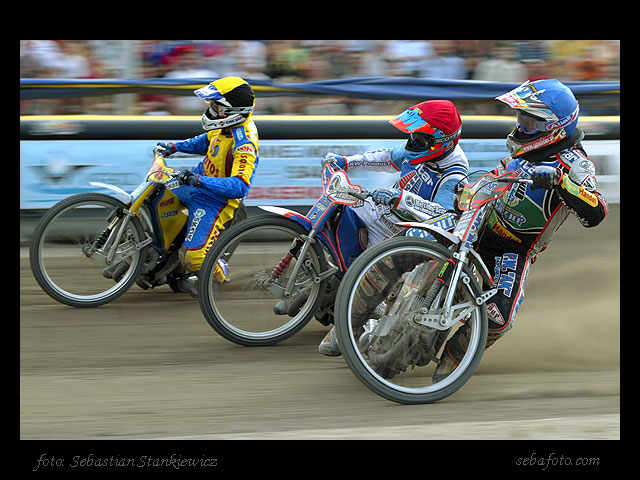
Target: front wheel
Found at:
381, 328
246, 304
66, 266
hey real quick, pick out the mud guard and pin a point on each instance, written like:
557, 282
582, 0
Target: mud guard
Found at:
123, 196
285, 212
306, 223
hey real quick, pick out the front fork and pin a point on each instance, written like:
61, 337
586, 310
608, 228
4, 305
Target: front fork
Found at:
302, 252
299, 250
109, 240
450, 274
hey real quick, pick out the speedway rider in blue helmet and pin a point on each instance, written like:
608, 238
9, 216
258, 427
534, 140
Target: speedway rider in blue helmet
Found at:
545, 147
429, 164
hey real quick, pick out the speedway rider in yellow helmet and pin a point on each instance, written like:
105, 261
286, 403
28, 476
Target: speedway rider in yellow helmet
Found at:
213, 190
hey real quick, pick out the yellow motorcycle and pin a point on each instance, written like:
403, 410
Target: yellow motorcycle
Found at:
90, 248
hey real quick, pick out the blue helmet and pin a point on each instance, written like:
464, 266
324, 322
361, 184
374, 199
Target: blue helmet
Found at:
547, 112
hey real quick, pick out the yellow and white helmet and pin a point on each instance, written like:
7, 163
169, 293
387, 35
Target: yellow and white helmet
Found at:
231, 100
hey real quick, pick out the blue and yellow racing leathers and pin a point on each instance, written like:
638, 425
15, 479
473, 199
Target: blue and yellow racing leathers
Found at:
224, 179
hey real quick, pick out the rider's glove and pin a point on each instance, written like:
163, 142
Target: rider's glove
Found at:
546, 177
335, 158
386, 196
165, 148
187, 177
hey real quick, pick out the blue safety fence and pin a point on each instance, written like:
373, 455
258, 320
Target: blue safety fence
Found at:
379, 88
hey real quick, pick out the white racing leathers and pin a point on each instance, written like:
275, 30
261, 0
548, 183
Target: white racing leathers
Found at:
426, 188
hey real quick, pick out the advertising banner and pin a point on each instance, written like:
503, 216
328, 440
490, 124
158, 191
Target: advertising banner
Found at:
288, 173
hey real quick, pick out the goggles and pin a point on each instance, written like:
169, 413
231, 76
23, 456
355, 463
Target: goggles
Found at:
219, 110
530, 124
428, 140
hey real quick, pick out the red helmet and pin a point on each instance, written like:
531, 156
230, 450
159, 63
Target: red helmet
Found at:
434, 127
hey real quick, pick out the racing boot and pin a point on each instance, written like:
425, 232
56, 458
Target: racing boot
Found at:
329, 345
455, 349
221, 272
220, 275
373, 289
192, 284
453, 352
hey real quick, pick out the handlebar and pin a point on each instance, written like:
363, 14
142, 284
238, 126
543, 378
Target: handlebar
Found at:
360, 195
515, 180
366, 194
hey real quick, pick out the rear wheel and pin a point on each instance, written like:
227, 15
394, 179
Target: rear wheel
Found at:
247, 305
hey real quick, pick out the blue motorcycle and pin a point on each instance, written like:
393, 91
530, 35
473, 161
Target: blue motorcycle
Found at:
265, 278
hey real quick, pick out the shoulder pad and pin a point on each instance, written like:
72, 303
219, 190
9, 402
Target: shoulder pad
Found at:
241, 141
571, 155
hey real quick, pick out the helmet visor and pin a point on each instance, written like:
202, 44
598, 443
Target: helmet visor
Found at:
530, 124
421, 141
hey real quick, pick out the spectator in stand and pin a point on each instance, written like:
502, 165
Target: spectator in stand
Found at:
152, 103
537, 69
446, 64
73, 61
74, 64
38, 60
531, 49
367, 57
502, 66
46, 55
285, 59
29, 63
473, 52
189, 65
404, 56
291, 61
246, 55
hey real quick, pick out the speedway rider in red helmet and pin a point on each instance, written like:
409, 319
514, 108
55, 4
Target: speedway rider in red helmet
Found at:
430, 165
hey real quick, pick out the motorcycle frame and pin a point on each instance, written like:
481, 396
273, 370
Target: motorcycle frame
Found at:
465, 234
315, 221
147, 212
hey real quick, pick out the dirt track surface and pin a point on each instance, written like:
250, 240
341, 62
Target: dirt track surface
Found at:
148, 366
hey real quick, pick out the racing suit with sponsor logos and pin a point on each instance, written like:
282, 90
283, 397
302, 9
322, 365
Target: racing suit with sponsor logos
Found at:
427, 189
224, 179
524, 221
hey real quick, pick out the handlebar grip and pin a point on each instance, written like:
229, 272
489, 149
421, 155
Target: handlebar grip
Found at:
366, 194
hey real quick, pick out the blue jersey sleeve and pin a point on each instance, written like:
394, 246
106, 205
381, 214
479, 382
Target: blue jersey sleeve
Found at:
446, 194
197, 145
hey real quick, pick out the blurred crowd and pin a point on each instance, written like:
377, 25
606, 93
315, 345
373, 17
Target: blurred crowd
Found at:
289, 61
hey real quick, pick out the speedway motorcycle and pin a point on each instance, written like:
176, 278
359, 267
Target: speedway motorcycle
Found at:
403, 299
90, 248
282, 268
